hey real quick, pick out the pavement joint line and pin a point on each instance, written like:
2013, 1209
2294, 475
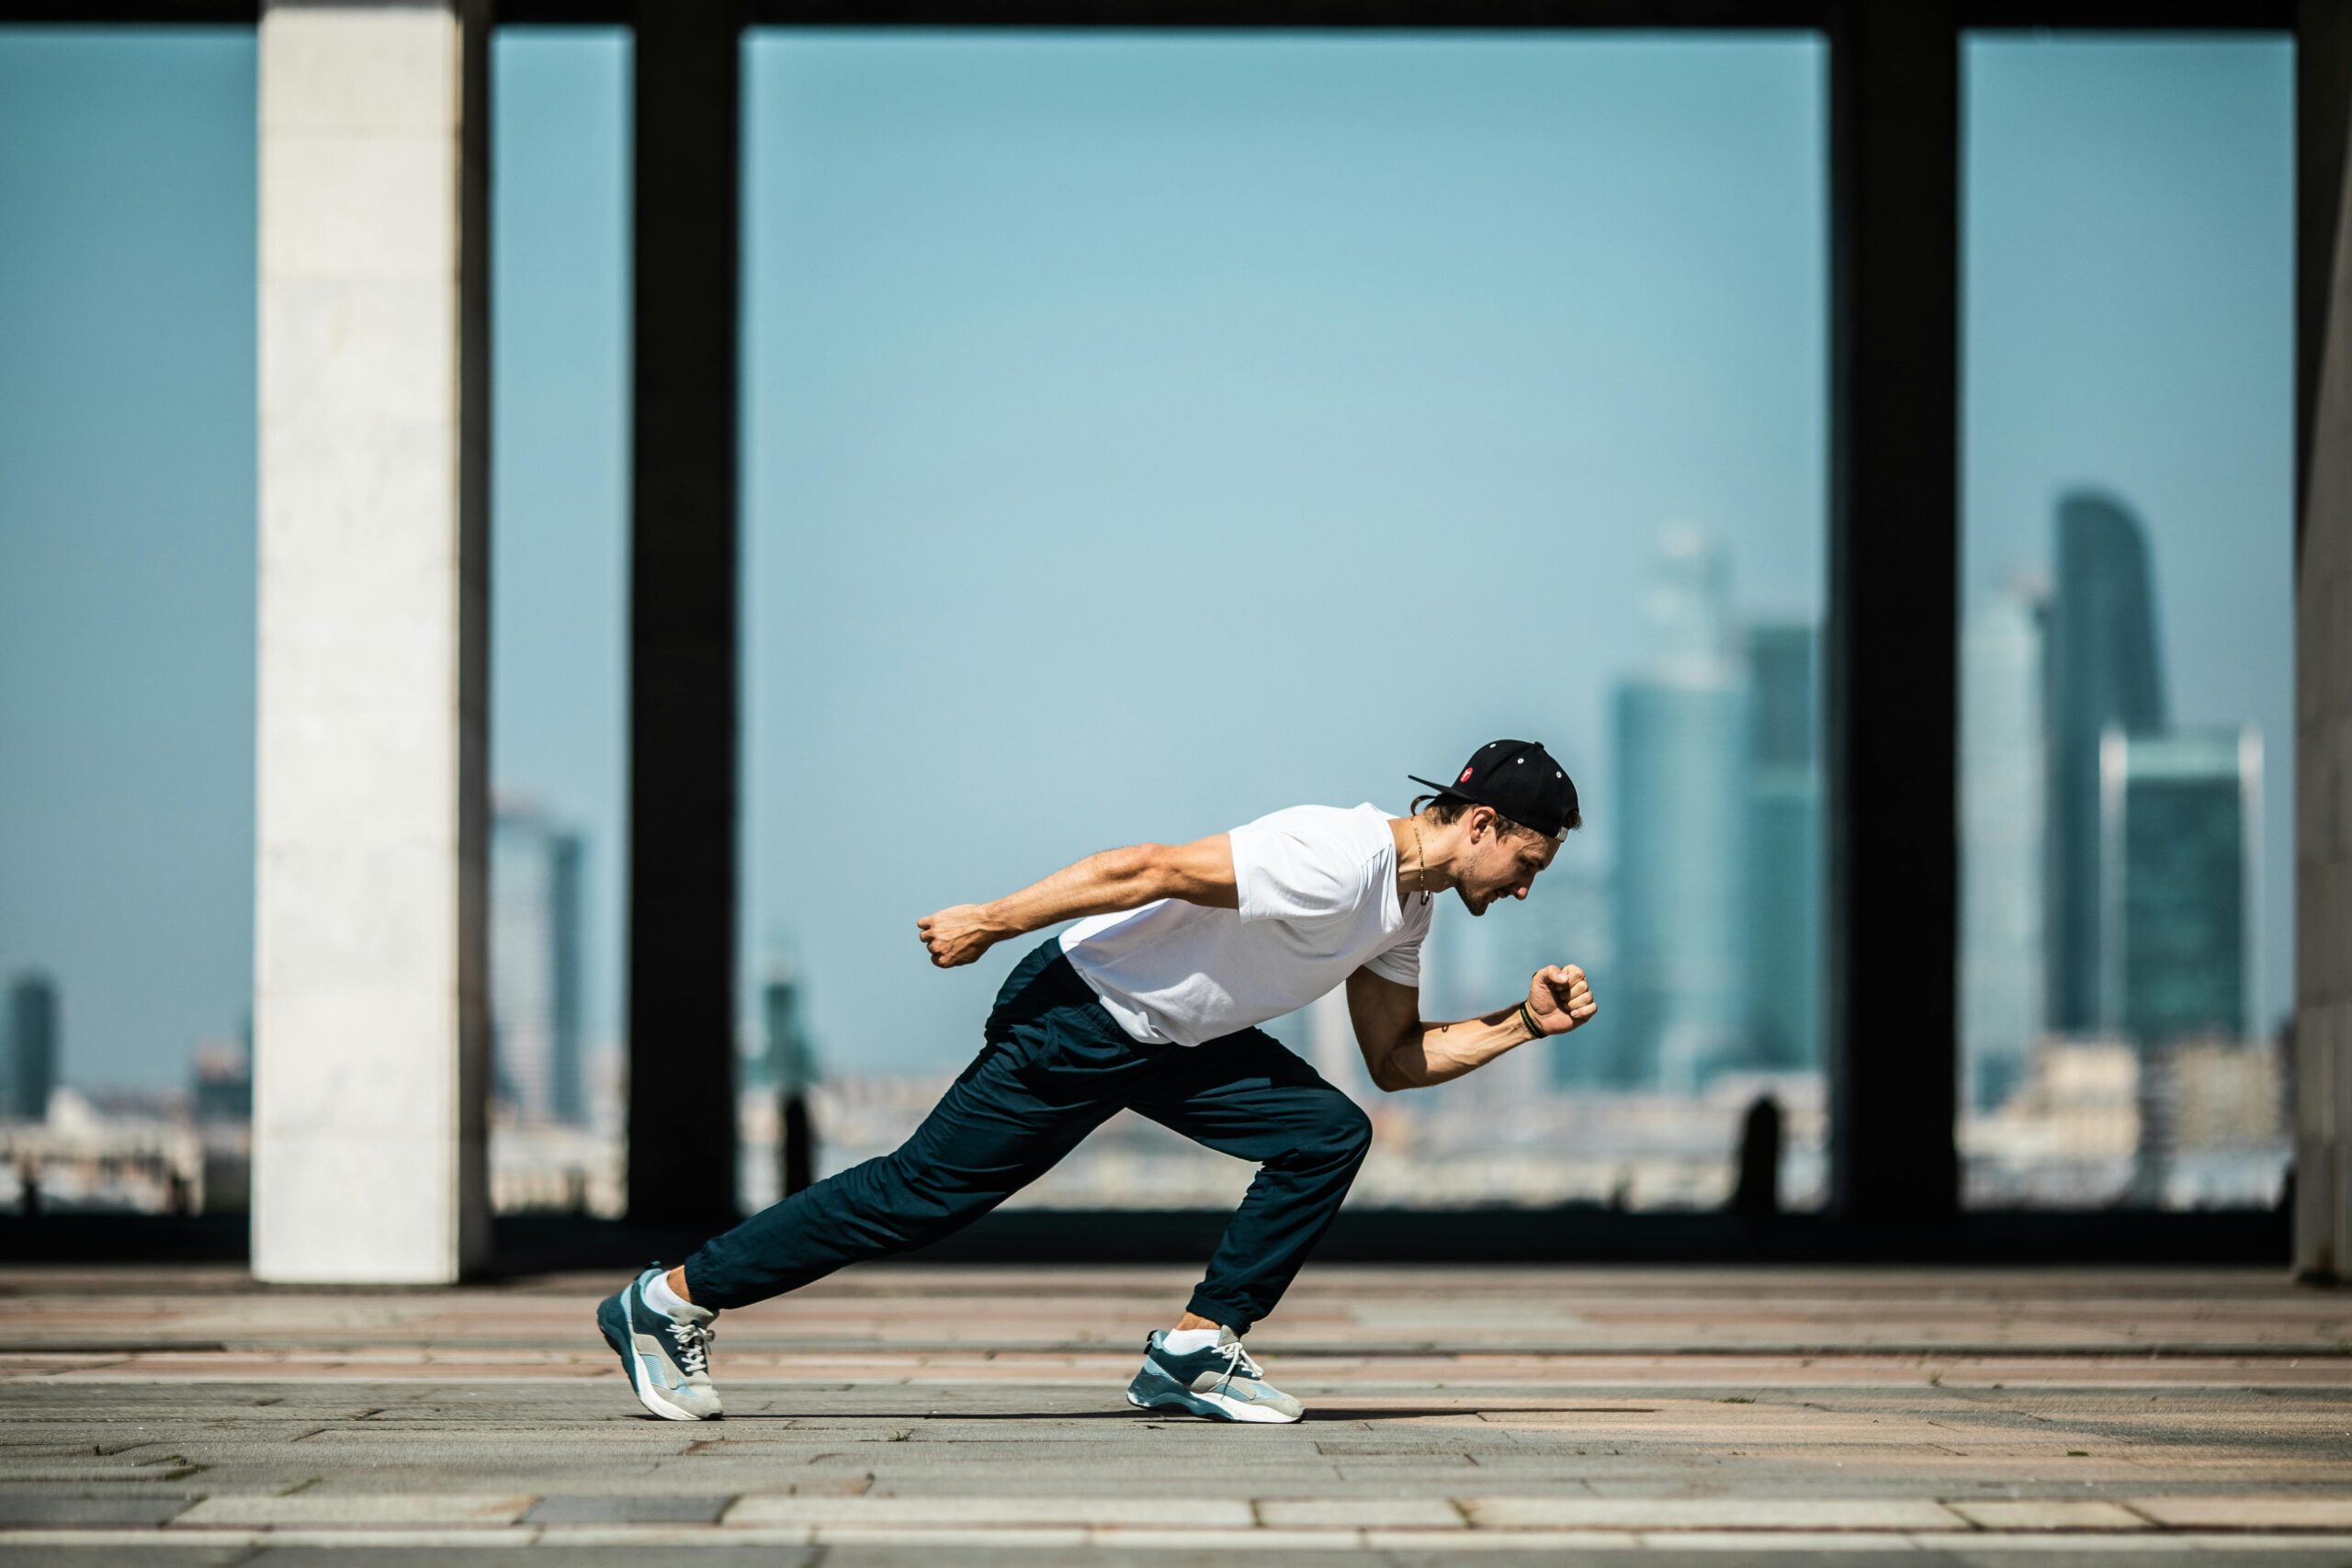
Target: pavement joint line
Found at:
1154, 1538
166, 1535
395, 1350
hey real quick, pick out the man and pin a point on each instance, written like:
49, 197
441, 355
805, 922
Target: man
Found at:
1150, 1003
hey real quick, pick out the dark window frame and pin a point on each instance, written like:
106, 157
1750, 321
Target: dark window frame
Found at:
1892, 612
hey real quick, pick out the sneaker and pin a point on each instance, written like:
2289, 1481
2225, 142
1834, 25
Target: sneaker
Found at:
1221, 1382
668, 1360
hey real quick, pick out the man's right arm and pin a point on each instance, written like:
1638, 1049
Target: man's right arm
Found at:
1101, 884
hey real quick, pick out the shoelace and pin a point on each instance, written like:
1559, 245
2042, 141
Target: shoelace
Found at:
694, 1344
1236, 1360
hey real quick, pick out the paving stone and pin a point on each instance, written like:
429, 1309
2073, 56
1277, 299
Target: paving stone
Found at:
612, 1510
1707, 1513
56, 1511
541, 1555
1359, 1513
1843, 1543
175, 1556
980, 1512
951, 1539
2255, 1513
333, 1509
1205, 1543
2046, 1513
1529, 1545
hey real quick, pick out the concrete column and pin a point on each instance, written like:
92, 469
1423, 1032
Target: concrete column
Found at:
370, 1021
2324, 644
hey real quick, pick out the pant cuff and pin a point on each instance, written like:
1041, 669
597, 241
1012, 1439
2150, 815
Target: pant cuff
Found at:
700, 1292
1236, 1318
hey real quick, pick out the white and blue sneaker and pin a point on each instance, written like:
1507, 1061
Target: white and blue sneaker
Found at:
1218, 1380
667, 1359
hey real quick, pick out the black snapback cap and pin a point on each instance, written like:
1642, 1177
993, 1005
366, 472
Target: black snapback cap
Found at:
1519, 780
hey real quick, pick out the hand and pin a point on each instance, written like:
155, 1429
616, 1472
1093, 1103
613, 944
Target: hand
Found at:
1559, 998
957, 934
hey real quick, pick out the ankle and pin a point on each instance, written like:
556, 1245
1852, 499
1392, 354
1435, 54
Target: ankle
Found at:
661, 1294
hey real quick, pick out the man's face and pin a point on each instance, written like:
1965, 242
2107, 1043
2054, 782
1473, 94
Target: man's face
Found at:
1502, 862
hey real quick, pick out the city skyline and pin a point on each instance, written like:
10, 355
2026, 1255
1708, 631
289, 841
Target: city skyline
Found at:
1679, 301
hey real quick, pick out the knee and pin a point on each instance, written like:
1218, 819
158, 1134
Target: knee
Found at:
1341, 1133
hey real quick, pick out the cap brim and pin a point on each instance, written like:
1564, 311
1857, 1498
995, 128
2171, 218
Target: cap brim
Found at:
1444, 789
1561, 832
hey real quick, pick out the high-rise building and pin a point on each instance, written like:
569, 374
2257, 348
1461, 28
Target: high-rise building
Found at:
2178, 823
222, 1083
1681, 805
787, 1059
537, 988
32, 1046
1784, 877
1581, 926
2003, 796
2103, 673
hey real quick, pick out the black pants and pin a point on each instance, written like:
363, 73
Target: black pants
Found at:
1056, 1066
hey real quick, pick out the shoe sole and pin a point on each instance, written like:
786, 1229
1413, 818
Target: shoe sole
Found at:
640, 1383
1175, 1397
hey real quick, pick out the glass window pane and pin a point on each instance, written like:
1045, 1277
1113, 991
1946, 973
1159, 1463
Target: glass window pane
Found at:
559, 612
127, 486
1145, 432
2127, 617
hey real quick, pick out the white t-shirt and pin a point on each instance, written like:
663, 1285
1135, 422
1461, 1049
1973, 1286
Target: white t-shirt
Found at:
1317, 889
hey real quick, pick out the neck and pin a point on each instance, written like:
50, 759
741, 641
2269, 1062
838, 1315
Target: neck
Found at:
1438, 844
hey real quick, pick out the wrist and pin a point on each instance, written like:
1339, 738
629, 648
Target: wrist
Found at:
997, 920
1528, 1020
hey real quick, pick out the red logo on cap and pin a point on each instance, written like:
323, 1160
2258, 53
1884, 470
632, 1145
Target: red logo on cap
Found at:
1464, 778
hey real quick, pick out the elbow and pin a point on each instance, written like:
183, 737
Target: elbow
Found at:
1389, 1078
1140, 872
1159, 871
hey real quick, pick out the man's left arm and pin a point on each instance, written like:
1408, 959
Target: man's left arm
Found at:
1403, 1051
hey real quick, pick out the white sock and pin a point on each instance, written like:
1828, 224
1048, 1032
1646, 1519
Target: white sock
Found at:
1185, 1341
667, 1301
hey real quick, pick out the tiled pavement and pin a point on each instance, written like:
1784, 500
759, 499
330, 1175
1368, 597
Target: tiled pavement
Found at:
1779, 1416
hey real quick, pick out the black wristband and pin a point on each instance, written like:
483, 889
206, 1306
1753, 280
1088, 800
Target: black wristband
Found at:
1527, 1017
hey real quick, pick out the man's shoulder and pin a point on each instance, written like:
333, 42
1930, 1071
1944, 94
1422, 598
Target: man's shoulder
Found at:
1360, 821
1345, 849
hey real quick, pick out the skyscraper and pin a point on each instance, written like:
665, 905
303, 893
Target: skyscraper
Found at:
1784, 842
537, 990
787, 1059
2003, 795
32, 1046
2178, 820
1681, 806
2103, 673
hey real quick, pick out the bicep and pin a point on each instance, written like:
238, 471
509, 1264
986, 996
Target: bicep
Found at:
1200, 872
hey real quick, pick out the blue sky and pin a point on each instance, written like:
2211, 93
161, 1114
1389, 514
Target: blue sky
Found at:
1139, 433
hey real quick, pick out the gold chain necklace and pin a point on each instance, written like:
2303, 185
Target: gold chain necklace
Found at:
1422, 860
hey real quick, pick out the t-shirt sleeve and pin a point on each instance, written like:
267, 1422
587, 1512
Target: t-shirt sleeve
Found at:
1292, 871
1401, 963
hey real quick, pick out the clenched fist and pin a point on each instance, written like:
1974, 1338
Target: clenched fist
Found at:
957, 934
1559, 998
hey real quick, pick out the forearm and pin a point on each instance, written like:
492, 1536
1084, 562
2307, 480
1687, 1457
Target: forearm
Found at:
1427, 1053
1104, 882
